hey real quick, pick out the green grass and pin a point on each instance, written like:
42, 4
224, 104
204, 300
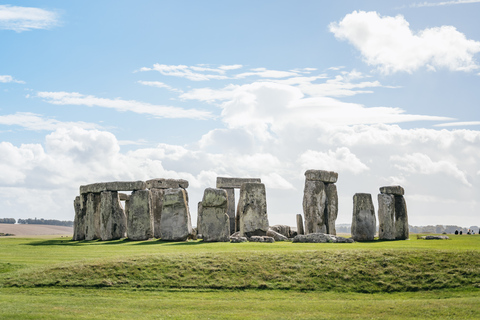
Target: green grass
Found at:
44, 278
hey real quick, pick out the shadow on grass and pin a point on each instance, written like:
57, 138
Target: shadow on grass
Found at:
71, 243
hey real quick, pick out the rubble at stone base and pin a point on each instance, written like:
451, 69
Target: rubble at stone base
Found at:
321, 238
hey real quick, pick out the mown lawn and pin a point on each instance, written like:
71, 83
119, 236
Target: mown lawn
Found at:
45, 278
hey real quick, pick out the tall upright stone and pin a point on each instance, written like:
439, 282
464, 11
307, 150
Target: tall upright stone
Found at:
140, 216
314, 206
175, 222
252, 208
113, 222
331, 208
92, 217
231, 209
401, 219
157, 207
386, 216
363, 220
300, 224
80, 205
214, 222
199, 214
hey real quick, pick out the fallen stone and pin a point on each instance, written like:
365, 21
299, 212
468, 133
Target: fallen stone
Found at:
224, 183
321, 175
236, 234
386, 216
363, 220
435, 238
92, 217
331, 207
140, 216
175, 222
401, 219
237, 239
320, 238
113, 186
276, 236
252, 208
395, 190
157, 207
161, 183
314, 201
300, 224
113, 222
261, 239
80, 205
213, 220
284, 230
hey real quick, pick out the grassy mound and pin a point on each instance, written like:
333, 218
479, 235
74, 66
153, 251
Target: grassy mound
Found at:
364, 271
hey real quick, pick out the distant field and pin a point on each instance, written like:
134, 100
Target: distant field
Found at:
45, 278
34, 229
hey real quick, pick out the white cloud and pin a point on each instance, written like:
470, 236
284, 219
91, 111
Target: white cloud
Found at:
276, 181
32, 121
458, 124
7, 78
75, 98
390, 44
191, 72
340, 160
264, 73
159, 84
443, 3
26, 18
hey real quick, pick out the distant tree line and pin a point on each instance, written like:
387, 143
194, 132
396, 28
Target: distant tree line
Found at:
439, 229
7, 220
51, 222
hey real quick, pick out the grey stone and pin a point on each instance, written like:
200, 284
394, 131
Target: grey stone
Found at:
363, 220
229, 183
80, 205
237, 239
113, 222
113, 186
395, 190
214, 221
252, 208
284, 230
140, 216
157, 206
332, 207
314, 201
435, 238
214, 198
199, 214
123, 196
175, 222
386, 216
300, 224
231, 208
161, 183
401, 219
320, 238
276, 236
321, 175
236, 234
92, 217
261, 239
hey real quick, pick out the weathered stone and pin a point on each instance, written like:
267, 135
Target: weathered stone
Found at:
300, 224
80, 205
386, 216
214, 221
320, 238
113, 222
401, 219
261, 239
123, 196
113, 186
252, 208
237, 239
276, 236
140, 216
157, 206
321, 175
161, 183
332, 207
229, 183
395, 190
199, 214
175, 224
92, 217
363, 220
314, 201
435, 237
231, 208
284, 230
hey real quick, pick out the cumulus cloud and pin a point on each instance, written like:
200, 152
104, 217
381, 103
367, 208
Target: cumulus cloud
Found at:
7, 78
75, 98
389, 44
26, 18
340, 160
458, 124
32, 121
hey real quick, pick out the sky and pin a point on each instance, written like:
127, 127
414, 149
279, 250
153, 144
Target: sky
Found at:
382, 92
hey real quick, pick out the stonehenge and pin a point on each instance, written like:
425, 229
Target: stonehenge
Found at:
158, 208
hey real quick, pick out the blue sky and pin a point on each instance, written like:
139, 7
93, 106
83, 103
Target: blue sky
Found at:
381, 92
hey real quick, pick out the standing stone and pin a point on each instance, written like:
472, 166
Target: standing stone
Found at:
175, 223
252, 208
157, 206
231, 209
199, 214
401, 219
113, 222
300, 224
214, 221
332, 208
79, 224
363, 221
314, 200
92, 217
386, 217
140, 216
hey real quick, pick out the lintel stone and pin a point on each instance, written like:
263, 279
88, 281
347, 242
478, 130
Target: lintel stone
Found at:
113, 186
395, 190
321, 175
162, 183
225, 183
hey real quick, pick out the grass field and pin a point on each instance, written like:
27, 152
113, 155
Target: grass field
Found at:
45, 278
